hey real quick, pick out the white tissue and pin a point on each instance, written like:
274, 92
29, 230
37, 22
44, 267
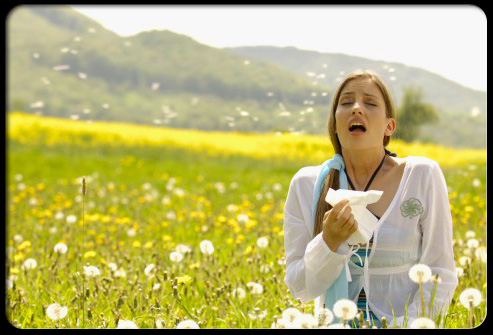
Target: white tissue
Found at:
357, 201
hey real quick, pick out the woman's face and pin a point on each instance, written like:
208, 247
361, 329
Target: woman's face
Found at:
362, 102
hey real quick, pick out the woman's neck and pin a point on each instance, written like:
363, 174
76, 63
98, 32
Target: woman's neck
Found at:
360, 165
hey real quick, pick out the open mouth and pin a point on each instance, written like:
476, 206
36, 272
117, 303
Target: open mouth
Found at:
357, 128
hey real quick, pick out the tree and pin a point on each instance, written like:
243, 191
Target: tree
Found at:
412, 114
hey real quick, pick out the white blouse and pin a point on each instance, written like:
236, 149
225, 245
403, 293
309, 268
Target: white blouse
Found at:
415, 228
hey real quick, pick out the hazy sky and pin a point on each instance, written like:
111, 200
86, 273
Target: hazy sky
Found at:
447, 40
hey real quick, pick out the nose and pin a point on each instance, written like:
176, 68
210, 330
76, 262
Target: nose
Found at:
356, 108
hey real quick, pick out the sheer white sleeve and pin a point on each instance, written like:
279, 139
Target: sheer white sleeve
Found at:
311, 267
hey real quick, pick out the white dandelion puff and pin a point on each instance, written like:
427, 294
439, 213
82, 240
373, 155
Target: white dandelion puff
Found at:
183, 248
459, 271
280, 324
470, 234
126, 324
464, 260
422, 323
242, 218
206, 247
239, 293
148, 270
60, 248
291, 314
30, 264
176, 256
472, 243
56, 312
480, 254
156, 287
71, 219
470, 295
325, 317
187, 324
476, 182
120, 273
277, 187
420, 273
262, 242
112, 266
131, 232
255, 288
306, 321
345, 309
91, 271
18, 238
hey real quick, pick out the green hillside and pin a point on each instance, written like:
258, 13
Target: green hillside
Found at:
458, 127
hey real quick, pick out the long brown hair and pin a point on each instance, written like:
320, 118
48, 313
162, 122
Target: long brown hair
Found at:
332, 179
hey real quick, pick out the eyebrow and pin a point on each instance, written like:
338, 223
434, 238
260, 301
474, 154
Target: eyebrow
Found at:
370, 95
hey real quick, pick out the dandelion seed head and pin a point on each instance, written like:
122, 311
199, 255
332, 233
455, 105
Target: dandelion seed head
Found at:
472, 243
291, 314
113, 266
149, 269
91, 271
470, 234
255, 288
126, 324
176, 256
262, 242
30, 264
464, 260
206, 247
187, 324
345, 309
239, 293
18, 238
422, 323
60, 248
470, 295
56, 312
71, 218
325, 317
459, 271
420, 273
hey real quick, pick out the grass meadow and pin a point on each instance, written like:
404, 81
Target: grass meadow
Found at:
152, 196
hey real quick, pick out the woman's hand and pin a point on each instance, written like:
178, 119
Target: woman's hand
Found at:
338, 225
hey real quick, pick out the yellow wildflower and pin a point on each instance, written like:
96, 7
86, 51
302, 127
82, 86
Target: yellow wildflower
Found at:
24, 245
184, 279
136, 244
89, 254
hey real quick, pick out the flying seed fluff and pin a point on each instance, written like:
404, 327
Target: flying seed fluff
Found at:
332, 179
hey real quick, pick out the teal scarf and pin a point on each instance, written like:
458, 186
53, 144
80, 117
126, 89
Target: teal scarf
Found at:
339, 289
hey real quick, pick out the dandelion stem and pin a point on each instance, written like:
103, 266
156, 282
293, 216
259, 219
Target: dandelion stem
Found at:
422, 300
83, 240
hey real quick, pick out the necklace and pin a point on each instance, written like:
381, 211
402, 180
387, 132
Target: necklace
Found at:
371, 179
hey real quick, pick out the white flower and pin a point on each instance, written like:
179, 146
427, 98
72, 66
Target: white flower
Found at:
242, 218
126, 324
176, 256
436, 279
232, 208
60, 248
470, 234
53, 230
464, 260
277, 187
21, 186
459, 271
71, 218
255, 288
59, 215
325, 317
18, 177
422, 323
264, 268
160, 324
156, 287
257, 314
9, 284
91, 271
33, 202
18, 238
131, 232
420, 273
171, 215
291, 314
183, 248
472, 243
187, 324
480, 254
56, 312
262, 242
470, 295
280, 324
476, 182
206, 247
239, 293
120, 273
30, 264
345, 309
306, 321
148, 269
113, 266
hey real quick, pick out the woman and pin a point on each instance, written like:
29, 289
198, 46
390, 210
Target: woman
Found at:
414, 219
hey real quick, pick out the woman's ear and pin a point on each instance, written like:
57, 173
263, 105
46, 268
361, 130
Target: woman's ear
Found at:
390, 127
